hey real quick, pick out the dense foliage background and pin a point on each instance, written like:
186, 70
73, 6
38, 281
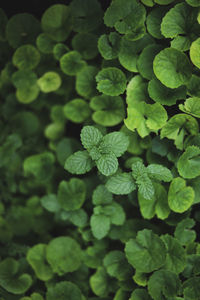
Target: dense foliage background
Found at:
100, 150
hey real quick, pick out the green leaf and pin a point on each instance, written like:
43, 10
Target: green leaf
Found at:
157, 204
191, 288
159, 172
79, 163
65, 148
59, 50
111, 81
71, 63
99, 283
50, 203
176, 254
11, 280
189, 162
45, 43
194, 3
140, 294
154, 20
145, 60
71, 194
108, 45
107, 164
64, 290
183, 231
28, 94
26, 57
145, 118
24, 78
116, 213
164, 95
101, 195
64, 255
181, 20
164, 284
172, 67
79, 217
116, 142
121, 184
100, 225
87, 16
22, 29
56, 22
36, 257
147, 252
193, 86
129, 51
90, 137
109, 111
191, 106
136, 91
127, 18
49, 82
145, 186
77, 110
39, 165
86, 83
116, 265
177, 127
195, 53
180, 196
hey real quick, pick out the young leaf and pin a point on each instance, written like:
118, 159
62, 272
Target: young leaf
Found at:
172, 67
189, 162
147, 252
107, 164
90, 137
100, 225
111, 81
36, 257
64, 255
180, 196
72, 194
49, 82
121, 184
79, 163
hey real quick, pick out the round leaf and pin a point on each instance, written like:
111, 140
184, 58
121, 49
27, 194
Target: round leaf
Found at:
180, 196
77, 110
64, 290
71, 63
49, 82
172, 67
64, 255
189, 162
195, 53
26, 57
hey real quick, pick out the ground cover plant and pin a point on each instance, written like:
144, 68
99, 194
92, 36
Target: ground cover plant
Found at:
100, 151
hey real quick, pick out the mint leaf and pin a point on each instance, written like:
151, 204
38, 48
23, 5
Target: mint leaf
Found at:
159, 172
116, 142
121, 184
90, 137
107, 164
79, 163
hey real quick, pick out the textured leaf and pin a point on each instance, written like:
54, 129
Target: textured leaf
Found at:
108, 45
49, 82
107, 164
71, 63
180, 196
191, 288
26, 57
121, 184
191, 106
101, 195
159, 172
79, 163
116, 142
90, 136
